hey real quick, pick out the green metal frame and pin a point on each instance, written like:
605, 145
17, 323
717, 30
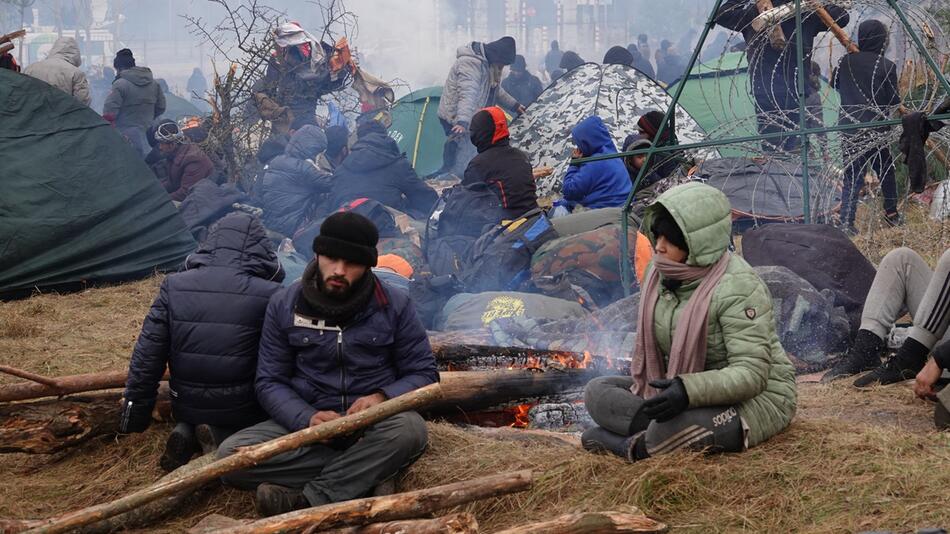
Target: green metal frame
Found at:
626, 270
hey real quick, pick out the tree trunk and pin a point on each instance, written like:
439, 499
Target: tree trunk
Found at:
477, 390
48, 426
65, 386
243, 459
592, 523
464, 523
388, 508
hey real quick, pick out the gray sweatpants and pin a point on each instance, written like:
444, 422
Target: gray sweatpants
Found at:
614, 407
332, 473
904, 283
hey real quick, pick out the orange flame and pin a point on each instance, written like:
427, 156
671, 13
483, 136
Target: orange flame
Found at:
521, 415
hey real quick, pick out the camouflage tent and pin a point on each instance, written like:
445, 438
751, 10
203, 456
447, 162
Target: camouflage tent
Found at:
618, 94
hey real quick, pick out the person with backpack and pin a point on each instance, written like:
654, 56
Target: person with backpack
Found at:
293, 186
504, 168
205, 325
598, 184
867, 82
375, 168
708, 371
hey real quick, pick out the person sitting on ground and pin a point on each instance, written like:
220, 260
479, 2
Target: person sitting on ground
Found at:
868, 84
503, 167
293, 187
636, 162
927, 385
61, 70
618, 55
664, 164
598, 184
186, 163
708, 370
335, 343
521, 84
338, 148
375, 168
205, 325
904, 283
394, 270
134, 101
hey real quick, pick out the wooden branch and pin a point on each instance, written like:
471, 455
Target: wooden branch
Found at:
838, 32
52, 425
592, 523
243, 459
463, 523
6, 38
470, 391
389, 508
65, 385
33, 377
4, 48
776, 35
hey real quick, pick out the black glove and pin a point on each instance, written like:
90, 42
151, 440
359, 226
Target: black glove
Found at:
135, 416
671, 401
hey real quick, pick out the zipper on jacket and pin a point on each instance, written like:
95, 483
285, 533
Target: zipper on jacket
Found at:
124, 423
339, 355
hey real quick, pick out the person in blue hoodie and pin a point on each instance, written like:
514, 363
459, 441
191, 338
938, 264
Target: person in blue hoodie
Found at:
598, 184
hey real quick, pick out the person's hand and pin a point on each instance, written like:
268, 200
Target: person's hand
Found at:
671, 400
459, 129
135, 416
577, 153
363, 403
521, 109
926, 378
323, 417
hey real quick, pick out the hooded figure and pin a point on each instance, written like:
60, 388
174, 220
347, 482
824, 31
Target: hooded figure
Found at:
61, 70
135, 100
662, 164
503, 167
377, 169
570, 60
552, 59
293, 187
867, 82
641, 63
708, 366
618, 55
598, 184
521, 84
205, 325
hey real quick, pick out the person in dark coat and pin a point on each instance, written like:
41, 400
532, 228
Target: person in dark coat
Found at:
185, 162
376, 169
503, 167
618, 55
335, 343
867, 82
205, 325
598, 184
641, 63
552, 60
772, 72
134, 101
669, 65
197, 89
570, 60
293, 187
662, 164
521, 84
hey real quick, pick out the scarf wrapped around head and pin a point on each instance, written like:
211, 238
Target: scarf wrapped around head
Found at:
688, 348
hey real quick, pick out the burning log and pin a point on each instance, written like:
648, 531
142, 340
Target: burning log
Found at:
243, 459
388, 508
475, 390
592, 523
461, 356
48, 426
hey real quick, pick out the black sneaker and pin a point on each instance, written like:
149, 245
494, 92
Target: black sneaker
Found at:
864, 355
908, 361
273, 499
893, 219
599, 440
179, 448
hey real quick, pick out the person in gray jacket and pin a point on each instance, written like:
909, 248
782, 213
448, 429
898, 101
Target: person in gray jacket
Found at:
61, 70
474, 82
134, 102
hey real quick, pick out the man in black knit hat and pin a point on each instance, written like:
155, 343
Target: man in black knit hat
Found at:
135, 100
335, 343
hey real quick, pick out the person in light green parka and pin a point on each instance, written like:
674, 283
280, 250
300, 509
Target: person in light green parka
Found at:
708, 371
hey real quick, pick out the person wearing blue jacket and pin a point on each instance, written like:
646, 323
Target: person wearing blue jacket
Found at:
335, 343
598, 184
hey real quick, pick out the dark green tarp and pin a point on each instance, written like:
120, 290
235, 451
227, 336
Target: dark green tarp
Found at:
79, 205
417, 131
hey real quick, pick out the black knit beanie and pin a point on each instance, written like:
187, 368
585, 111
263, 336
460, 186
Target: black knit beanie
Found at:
123, 59
501, 52
618, 55
349, 236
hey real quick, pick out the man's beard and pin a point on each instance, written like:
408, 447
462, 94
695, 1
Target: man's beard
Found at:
335, 293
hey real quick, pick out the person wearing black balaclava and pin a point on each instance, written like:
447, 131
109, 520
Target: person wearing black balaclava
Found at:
474, 82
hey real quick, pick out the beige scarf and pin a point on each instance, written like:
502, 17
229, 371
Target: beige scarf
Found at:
688, 350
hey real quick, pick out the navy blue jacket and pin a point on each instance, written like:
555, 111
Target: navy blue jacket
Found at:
293, 187
303, 369
205, 325
599, 184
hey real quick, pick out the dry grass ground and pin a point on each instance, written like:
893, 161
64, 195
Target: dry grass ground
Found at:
850, 461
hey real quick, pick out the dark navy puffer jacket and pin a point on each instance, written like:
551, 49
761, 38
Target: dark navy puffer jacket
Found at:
206, 325
293, 186
303, 369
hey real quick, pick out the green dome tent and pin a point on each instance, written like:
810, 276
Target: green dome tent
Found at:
717, 95
79, 205
417, 131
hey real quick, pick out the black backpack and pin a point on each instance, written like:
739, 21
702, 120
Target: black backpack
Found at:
371, 209
458, 219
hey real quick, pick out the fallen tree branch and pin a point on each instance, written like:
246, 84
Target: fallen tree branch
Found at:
244, 458
592, 523
64, 385
407, 505
464, 523
33, 377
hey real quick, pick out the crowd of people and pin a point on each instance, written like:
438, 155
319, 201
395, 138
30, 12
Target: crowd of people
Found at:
251, 359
